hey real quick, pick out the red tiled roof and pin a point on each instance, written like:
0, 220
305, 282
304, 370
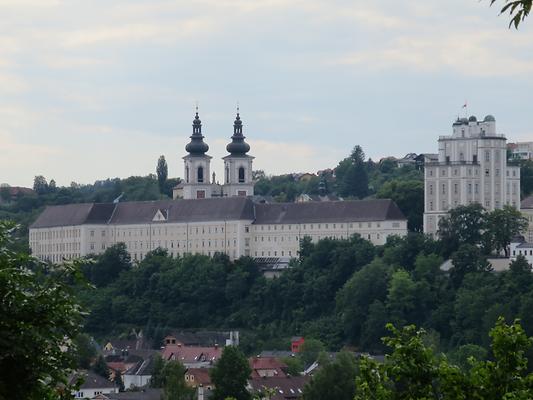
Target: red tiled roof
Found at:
201, 376
267, 363
286, 388
189, 354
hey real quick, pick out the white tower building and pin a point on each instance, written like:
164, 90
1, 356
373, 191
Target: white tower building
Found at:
471, 168
238, 165
196, 172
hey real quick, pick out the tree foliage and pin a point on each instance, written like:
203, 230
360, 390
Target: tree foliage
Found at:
230, 375
414, 371
518, 10
174, 386
162, 173
40, 317
334, 380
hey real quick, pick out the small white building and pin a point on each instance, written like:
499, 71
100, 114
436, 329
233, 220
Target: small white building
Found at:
519, 247
139, 375
93, 385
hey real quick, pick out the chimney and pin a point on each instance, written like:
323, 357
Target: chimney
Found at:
201, 392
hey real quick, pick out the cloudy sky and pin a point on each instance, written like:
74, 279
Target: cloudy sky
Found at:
96, 89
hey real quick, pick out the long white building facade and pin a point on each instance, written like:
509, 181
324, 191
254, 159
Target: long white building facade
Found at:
207, 217
236, 226
471, 168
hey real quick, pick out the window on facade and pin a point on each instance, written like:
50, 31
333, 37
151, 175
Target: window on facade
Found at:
241, 175
487, 155
187, 174
487, 172
200, 175
443, 188
474, 158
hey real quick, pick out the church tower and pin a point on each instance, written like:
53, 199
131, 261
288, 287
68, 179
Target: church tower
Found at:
196, 174
238, 165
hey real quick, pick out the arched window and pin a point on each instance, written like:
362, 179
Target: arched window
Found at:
187, 174
227, 174
241, 174
200, 177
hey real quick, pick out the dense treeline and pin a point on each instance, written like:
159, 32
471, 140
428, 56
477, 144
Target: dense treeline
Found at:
339, 291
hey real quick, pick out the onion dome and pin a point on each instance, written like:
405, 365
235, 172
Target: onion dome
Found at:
472, 118
238, 147
489, 118
197, 146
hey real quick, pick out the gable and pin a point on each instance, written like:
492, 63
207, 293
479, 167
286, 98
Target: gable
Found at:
160, 215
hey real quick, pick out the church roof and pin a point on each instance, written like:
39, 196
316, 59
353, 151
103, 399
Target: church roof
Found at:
332, 211
218, 209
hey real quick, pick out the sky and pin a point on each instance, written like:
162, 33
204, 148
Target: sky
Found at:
99, 89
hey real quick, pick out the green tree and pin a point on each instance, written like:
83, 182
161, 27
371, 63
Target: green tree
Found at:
108, 265
352, 177
334, 380
162, 173
526, 177
118, 381
409, 196
310, 350
158, 378
467, 258
359, 292
463, 224
174, 387
413, 371
294, 365
100, 367
503, 224
85, 351
5, 194
401, 297
52, 188
40, 317
40, 185
230, 375
518, 10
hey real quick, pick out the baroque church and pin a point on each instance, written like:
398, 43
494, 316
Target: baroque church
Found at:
206, 217
197, 170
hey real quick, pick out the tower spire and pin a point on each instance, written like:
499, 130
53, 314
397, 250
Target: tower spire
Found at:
238, 147
197, 146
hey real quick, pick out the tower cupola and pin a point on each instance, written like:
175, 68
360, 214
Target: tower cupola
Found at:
197, 146
238, 147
